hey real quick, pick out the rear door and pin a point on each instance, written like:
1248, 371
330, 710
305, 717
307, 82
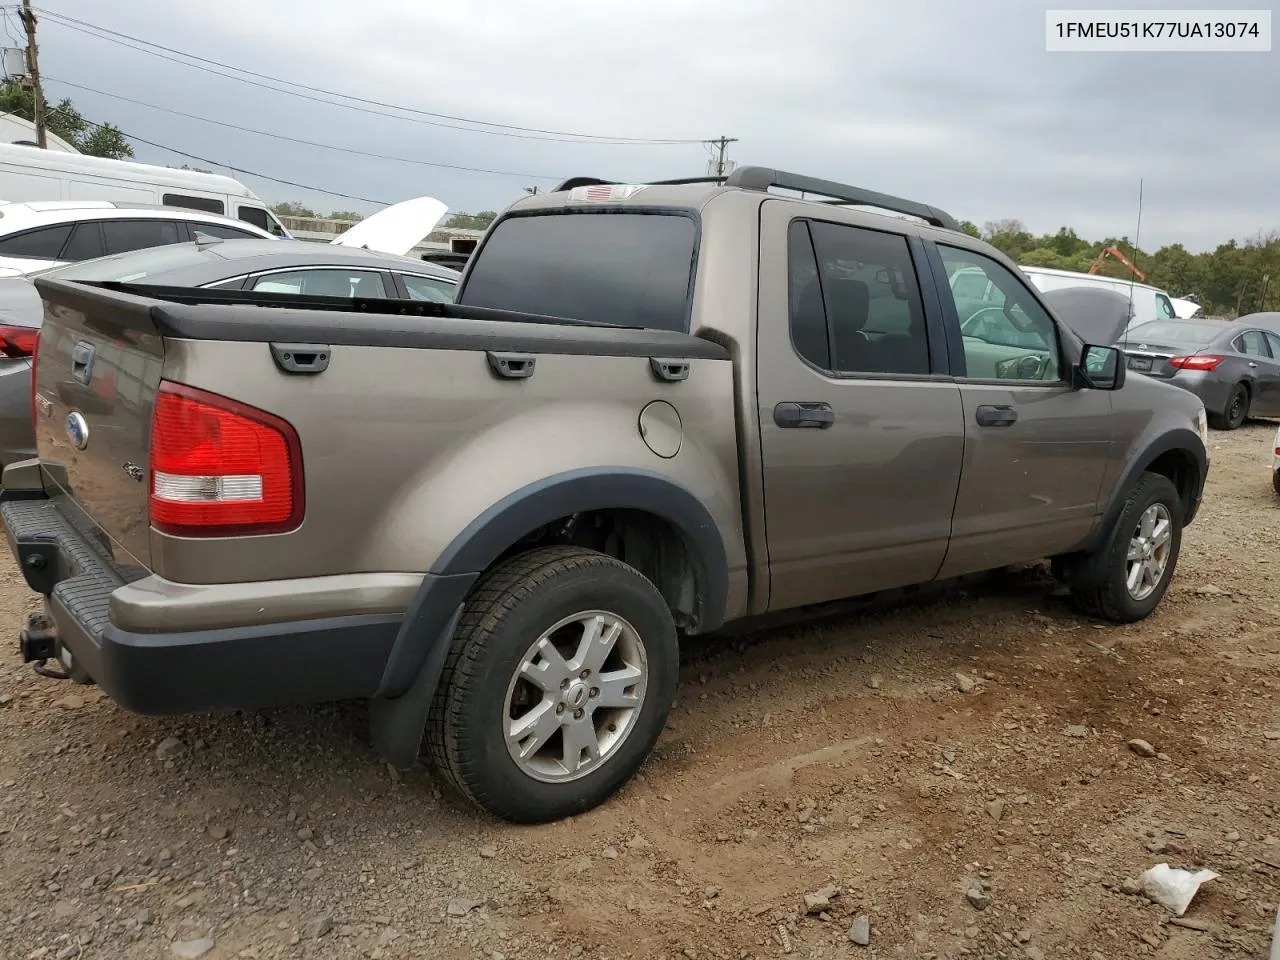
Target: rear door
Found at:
1262, 370
1035, 449
860, 427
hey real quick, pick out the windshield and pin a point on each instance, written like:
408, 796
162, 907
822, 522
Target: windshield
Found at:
133, 266
628, 269
1159, 331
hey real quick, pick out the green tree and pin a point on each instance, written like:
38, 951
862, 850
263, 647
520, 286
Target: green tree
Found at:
345, 215
63, 120
288, 208
472, 221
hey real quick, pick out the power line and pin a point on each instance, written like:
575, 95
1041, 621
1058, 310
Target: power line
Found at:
237, 169
436, 119
297, 140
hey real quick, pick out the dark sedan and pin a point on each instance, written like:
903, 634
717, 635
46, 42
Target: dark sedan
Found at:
1234, 368
319, 269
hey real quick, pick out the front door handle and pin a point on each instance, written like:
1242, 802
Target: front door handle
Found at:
992, 416
1252, 363
804, 414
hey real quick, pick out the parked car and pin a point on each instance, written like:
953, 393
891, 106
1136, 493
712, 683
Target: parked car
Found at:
1275, 463
29, 174
40, 235
1149, 303
496, 524
1234, 368
344, 268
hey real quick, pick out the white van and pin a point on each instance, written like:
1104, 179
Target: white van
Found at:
31, 174
1149, 303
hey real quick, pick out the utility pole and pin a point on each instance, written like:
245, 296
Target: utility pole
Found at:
720, 167
33, 72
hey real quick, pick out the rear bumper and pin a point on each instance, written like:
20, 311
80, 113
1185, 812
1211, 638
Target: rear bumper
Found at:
1212, 390
186, 671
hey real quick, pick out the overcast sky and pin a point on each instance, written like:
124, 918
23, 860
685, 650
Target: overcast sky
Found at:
952, 102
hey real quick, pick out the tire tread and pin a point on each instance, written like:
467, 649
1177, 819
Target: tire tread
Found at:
496, 596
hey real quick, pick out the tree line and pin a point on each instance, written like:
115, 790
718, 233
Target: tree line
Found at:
1234, 279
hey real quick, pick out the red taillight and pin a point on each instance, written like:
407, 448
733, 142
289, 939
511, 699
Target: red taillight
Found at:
221, 468
17, 342
1198, 362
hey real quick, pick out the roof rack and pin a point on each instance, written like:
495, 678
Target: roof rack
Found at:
762, 178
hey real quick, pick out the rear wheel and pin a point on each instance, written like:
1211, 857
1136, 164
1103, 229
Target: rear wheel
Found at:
1275, 480
1126, 580
558, 684
1236, 410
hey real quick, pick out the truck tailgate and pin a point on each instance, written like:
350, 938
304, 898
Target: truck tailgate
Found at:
96, 377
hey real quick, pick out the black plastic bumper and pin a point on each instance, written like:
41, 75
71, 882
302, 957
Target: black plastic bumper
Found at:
191, 671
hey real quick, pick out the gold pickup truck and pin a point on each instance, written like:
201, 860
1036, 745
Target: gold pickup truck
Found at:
653, 409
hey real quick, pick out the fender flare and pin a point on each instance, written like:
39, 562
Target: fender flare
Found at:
1179, 439
422, 643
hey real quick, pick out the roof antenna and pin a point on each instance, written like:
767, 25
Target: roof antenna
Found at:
1137, 236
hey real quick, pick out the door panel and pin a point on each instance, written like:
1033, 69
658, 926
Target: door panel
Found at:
1036, 450
862, 463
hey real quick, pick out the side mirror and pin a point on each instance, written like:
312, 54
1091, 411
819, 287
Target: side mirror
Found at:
1101, 368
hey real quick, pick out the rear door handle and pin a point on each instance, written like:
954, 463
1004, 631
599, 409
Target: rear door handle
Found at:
804, 414
992, 416
511, 366
1252, 364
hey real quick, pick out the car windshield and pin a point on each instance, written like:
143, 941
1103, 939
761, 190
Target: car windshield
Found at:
133, 266
1160, 331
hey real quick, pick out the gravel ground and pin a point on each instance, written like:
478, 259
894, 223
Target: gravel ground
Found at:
994, 814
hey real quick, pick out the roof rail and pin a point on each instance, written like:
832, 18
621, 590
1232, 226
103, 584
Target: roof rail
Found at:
762, 178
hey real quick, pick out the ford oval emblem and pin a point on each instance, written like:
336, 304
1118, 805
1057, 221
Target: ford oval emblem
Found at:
77, 430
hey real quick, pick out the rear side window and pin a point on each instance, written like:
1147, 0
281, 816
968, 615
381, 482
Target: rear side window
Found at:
1164, 309
221, 232
121, 236
85, 242
855, 301
629, 269
255, 215
42, 244
428, 288
1252, 343
193, 203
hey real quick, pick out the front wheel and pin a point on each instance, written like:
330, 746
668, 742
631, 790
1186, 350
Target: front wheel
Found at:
1127, 579
560, 678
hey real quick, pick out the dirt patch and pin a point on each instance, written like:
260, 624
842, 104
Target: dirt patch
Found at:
837, 754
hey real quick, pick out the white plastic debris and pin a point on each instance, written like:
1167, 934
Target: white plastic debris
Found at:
1174, 889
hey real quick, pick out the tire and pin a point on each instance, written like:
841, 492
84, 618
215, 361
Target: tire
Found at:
1236, 411
1100, 587
512, 609
1275, 480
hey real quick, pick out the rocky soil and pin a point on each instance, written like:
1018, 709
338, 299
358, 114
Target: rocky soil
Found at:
951, 779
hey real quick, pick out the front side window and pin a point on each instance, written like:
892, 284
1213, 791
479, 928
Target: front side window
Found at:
255, 215
1007, 335
121, 236
854, 300
1164, 309
335, 282
43, 243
